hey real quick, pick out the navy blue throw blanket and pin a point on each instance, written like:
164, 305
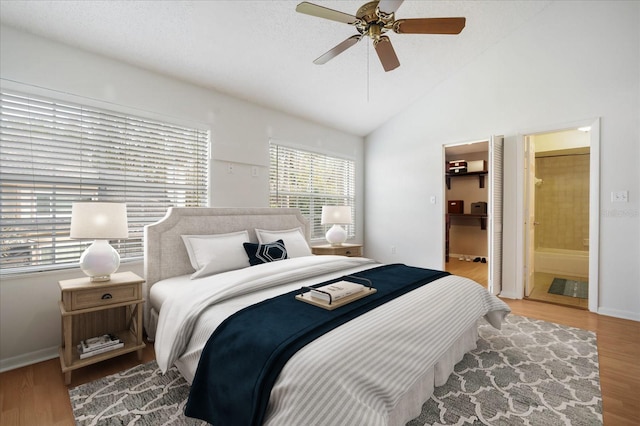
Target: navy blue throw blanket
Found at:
244, 356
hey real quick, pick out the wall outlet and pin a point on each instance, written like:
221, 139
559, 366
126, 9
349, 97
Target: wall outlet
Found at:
393, 249
254, 171
620, 196
230, 168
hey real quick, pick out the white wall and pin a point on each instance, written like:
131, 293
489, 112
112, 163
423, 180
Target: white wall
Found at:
575, 61
29, 314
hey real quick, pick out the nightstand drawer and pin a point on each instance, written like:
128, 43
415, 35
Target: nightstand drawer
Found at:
353, 250
347, 251
83, 299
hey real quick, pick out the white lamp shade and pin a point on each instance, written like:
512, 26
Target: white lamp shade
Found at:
336, 215
99, 221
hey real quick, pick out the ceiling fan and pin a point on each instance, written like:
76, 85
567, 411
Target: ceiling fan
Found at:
374, 19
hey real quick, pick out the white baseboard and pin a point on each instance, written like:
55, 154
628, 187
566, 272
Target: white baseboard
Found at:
509, 295
28, 359
633, 316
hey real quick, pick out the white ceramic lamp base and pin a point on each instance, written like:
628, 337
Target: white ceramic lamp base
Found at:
99, 261
336, 235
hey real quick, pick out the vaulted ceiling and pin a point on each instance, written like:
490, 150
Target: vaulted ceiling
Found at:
263, 51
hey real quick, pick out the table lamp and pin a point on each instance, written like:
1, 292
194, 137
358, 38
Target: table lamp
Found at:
99, 221
336, 216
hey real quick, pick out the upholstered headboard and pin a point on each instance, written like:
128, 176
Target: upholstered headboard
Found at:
165, 255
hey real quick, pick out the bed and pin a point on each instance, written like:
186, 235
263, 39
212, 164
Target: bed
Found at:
391, 357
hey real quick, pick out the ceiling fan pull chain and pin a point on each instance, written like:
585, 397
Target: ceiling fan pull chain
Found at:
368, 61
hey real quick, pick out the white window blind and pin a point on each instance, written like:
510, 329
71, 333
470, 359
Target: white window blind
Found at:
308, 180
54, 153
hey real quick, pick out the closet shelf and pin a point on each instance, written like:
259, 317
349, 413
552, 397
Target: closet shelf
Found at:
481, 176
482, 217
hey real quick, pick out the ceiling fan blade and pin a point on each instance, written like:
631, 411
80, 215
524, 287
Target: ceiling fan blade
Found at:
326, 13
389, 6
338, 49
429, 26
386, 53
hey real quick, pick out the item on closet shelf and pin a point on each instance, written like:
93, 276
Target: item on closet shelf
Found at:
484, 260
477, 166
458, 170
455, 206
461, 257
477, 259
456, 164
468, 259
457, 167
479, 208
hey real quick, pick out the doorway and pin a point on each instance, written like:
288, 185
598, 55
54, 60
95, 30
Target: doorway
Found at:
557, 215
473, 210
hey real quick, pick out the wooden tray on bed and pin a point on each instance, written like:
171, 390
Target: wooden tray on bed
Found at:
305, 297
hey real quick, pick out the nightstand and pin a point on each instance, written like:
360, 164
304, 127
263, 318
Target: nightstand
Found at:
91, 309
350, 250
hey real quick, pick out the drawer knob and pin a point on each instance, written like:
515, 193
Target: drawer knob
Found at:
106, 296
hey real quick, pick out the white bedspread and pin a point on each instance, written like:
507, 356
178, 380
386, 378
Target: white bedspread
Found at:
377, 369
178, 315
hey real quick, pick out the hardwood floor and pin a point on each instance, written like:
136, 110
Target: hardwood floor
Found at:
36, 394
477, 271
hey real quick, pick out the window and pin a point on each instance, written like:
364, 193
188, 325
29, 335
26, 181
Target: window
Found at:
55, 153
309, 180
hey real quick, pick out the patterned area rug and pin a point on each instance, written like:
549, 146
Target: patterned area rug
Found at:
530, 372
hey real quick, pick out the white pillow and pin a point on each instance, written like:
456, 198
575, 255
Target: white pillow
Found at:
211, 254
294, 240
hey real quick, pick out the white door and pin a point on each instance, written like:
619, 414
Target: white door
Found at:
529, 213
496, 174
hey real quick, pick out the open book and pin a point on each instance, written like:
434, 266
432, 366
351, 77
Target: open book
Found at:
336, 291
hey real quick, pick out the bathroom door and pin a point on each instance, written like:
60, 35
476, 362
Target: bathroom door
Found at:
529, 214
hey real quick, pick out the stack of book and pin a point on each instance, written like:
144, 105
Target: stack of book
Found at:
98, 345
457, 167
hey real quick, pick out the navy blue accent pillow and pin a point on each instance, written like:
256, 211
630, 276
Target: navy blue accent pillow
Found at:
263, 253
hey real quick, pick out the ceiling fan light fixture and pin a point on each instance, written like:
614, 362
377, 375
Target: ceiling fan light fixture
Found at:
374, 19
374, 32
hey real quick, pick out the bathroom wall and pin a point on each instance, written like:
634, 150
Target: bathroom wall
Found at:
562, 200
